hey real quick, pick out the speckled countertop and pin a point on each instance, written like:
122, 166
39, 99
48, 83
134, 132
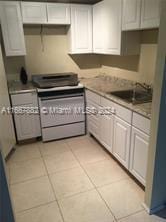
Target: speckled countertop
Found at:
16, 87
104, 84
101, 85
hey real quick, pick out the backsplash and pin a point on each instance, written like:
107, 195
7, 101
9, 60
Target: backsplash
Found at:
55, 57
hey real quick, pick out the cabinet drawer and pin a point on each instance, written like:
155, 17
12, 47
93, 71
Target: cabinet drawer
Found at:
123, 113
93, 129
22, 99
106, 102
60, 132
141, 123
93, 97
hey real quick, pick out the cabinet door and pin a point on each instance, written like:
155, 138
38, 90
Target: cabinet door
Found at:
80, 32
139, 154
27, 125
24, 125
121, 144
12, 28
58, 13
93, 120
150, 14
34, 12
107, 20
131, 14
112, 23
98, 43
106, 131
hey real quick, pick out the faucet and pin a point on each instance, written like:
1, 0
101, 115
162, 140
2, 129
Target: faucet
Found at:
144, 86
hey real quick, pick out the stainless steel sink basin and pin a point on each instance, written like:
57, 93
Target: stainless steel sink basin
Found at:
134, 97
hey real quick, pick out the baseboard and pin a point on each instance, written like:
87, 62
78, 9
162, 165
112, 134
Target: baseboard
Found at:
153, 210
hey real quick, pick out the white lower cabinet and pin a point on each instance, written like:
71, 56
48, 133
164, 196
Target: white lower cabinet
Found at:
121, 144
106, 131
94, 121
27, 125
124, 133
139, 154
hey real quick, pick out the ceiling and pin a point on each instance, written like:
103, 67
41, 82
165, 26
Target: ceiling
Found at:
68, 1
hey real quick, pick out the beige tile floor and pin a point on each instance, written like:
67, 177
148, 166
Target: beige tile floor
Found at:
74, 180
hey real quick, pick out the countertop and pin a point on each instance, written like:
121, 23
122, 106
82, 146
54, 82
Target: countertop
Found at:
16, 87
103, 85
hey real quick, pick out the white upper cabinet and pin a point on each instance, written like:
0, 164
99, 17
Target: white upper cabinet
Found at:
58, 13
98, 13
107, 27
112, 26
12, 29
141, 14
108, 37
34, 12
80, 32
131, 14
150, 15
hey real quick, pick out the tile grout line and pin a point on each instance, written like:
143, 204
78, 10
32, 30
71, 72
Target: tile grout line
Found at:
87, 163
24, 181
22, 161
95, 187
130, 215
60, 211
40, 205
56, 199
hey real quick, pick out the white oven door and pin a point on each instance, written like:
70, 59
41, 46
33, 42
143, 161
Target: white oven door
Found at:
61, 111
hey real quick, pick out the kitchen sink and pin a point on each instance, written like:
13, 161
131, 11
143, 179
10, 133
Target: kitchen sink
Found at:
134, 97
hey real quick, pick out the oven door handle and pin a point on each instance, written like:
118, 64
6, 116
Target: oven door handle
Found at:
60, 97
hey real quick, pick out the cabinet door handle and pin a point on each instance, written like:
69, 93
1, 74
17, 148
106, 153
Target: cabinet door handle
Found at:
113, 111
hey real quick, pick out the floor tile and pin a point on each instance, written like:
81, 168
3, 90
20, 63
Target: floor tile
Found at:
26, 152
82, 143
105, 172
60, 162
85, 207
144, 217
52, 148
49, 212
32, 193
70, 182
87, 155
25, 170
124, 197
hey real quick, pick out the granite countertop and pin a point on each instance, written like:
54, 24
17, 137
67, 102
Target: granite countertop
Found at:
16, 87
104, 85
101, 85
